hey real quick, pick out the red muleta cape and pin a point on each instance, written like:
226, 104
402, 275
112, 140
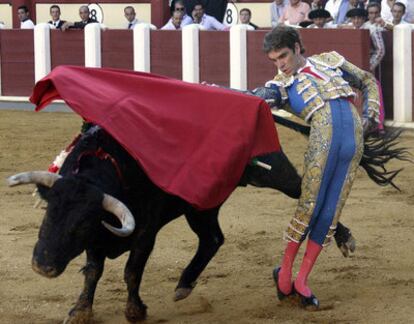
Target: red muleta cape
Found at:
193, 141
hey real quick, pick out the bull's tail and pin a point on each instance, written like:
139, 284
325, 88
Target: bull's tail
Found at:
378, 150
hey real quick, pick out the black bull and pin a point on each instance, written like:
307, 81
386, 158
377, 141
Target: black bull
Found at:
75, 212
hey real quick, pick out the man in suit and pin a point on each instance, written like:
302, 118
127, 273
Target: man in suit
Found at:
130, 15
56, 22
85, 19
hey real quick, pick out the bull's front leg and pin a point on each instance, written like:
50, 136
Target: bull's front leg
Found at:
205, 224
82, 311
136, 310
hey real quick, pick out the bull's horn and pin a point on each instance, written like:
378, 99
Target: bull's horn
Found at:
122, 212
38, 177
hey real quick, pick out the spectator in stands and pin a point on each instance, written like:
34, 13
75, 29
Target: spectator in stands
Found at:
320, 19
277, 8
85, 19
23, 14
338, 10
56, 22
245, 16
398, 11
175, 22
130, 15
296, 12
2, 26
374, 14
409, 14
386, 6
352, 4
318, 4
179, 5
358, 17
215, 8
205, 21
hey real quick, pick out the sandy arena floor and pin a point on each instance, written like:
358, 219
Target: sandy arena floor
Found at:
376, 285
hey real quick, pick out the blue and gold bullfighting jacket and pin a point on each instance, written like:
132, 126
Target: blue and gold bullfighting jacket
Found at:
303, 94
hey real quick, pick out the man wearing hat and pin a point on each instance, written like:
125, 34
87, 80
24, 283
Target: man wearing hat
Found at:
320, 19
358, 18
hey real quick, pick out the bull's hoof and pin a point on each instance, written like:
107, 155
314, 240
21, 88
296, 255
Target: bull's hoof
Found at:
348, 247
79, 316
135, 313
181, 293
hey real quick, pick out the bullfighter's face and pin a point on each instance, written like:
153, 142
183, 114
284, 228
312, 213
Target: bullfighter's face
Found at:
70, 216
286, 60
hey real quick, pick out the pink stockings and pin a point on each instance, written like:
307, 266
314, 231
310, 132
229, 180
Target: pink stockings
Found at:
285, 275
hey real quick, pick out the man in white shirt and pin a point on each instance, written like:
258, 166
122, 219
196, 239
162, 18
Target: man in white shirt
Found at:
175, 22
245, 17
23, 14
386, 6
205, 21
277, 8
179, 5
130, 15
409, 15
398, 12
338, 10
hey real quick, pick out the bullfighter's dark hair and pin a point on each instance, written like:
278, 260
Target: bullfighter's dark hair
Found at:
280, 37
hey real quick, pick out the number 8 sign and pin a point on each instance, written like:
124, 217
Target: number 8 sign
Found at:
96, 12
231, 17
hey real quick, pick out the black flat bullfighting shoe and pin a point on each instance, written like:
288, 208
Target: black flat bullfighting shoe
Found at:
310, 303
280, 295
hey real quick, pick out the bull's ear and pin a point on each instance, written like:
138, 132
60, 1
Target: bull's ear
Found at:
43, 191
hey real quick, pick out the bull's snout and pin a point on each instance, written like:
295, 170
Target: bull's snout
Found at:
44, 270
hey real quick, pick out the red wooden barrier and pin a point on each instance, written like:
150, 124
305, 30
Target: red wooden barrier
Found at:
17, 62
259, 68
117, 49
67, 48
166, 56
215, 57
352, 44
